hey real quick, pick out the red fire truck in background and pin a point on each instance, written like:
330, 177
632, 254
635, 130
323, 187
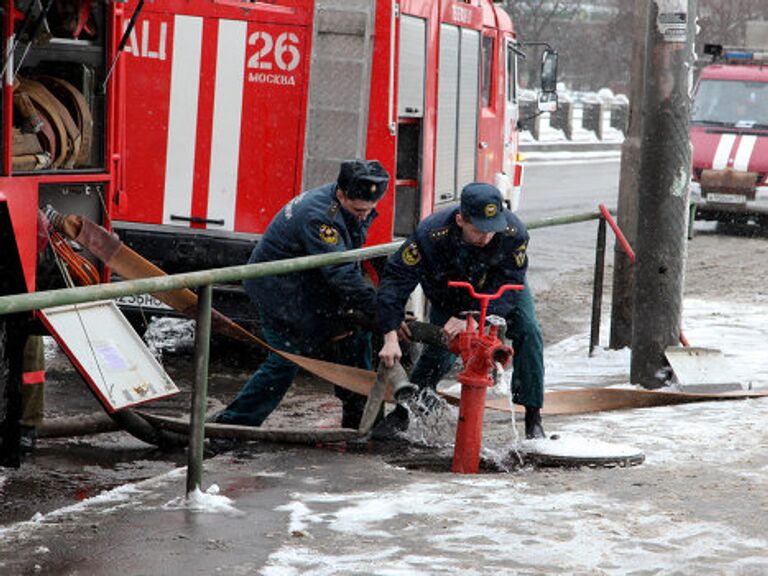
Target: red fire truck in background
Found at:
185, 126
729, 134
233, 108
218, 112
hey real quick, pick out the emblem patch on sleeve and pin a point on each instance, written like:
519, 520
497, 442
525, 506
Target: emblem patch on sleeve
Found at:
520, 255
411, 255
329, 234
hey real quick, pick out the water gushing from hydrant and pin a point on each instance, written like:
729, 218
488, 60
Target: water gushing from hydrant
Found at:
432, 421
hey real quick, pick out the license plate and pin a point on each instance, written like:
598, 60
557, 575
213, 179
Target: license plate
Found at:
727, 198
142, 301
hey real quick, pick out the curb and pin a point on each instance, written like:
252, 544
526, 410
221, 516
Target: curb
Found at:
528, 147
570, 151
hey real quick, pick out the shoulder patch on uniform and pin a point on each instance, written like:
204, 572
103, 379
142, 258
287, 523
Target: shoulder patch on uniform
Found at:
411, 254
329, 234
439, 233
333, 209
510, 231
520, 255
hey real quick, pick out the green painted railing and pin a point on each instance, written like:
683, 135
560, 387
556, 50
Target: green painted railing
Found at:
49, 298
207, 278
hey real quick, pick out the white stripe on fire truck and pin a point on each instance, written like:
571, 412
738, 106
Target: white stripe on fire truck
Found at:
227, 113
744, 153
723, 152
182, 117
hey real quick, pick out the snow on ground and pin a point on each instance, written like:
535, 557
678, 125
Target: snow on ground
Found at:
739, 331
483, 525
504, 524
666, 516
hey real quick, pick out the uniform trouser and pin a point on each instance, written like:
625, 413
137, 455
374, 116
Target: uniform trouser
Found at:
527, 363
33, 382
266, 387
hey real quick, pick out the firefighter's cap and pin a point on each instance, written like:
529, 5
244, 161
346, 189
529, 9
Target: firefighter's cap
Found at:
484, 206
363, 180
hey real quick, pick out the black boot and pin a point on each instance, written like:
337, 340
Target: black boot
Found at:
28, 439
351, 419
533, 427
352, 410
392, 425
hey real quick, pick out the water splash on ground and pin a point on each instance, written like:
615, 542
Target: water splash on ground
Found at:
172, 335
432, 421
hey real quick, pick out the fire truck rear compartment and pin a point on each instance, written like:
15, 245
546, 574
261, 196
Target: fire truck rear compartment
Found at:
59, 107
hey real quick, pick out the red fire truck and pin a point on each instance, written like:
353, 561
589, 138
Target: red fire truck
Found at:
185, 126
729, 133
233, 108
218, 112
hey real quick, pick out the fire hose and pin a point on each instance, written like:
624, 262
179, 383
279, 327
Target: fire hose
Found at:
152, 429
129, 265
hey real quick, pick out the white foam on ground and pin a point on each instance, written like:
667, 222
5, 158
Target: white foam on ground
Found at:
208, 502
481, 525
431, 524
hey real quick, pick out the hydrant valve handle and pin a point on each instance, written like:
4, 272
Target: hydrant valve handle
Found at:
503, 288
484, 298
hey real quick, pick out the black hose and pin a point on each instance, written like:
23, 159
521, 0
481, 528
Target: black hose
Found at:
427, 333
137, 426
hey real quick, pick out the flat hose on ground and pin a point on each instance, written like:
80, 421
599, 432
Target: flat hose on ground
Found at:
130, 265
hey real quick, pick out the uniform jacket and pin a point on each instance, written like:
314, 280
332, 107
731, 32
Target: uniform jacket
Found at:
435, 254
308, 304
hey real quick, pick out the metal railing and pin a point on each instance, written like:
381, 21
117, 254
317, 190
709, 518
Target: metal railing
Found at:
205, 279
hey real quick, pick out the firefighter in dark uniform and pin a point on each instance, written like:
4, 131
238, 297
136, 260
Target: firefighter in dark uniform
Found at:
482, 243
32, 392
304, 312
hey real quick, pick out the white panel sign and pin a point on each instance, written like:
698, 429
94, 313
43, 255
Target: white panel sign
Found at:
109, 354
672, 21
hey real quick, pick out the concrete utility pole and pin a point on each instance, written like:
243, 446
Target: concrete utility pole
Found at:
665, 169
623, 270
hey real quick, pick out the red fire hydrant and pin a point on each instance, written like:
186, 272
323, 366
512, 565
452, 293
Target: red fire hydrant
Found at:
480, 352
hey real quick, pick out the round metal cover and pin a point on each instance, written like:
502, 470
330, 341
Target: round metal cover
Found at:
569, 450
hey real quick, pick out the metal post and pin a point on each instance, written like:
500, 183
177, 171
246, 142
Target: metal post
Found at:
597, 290
200, 393
665, 170
626, 209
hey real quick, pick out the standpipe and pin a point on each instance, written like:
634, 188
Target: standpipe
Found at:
480, 352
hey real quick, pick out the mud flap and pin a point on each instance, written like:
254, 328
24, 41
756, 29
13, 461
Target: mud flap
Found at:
12, 340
